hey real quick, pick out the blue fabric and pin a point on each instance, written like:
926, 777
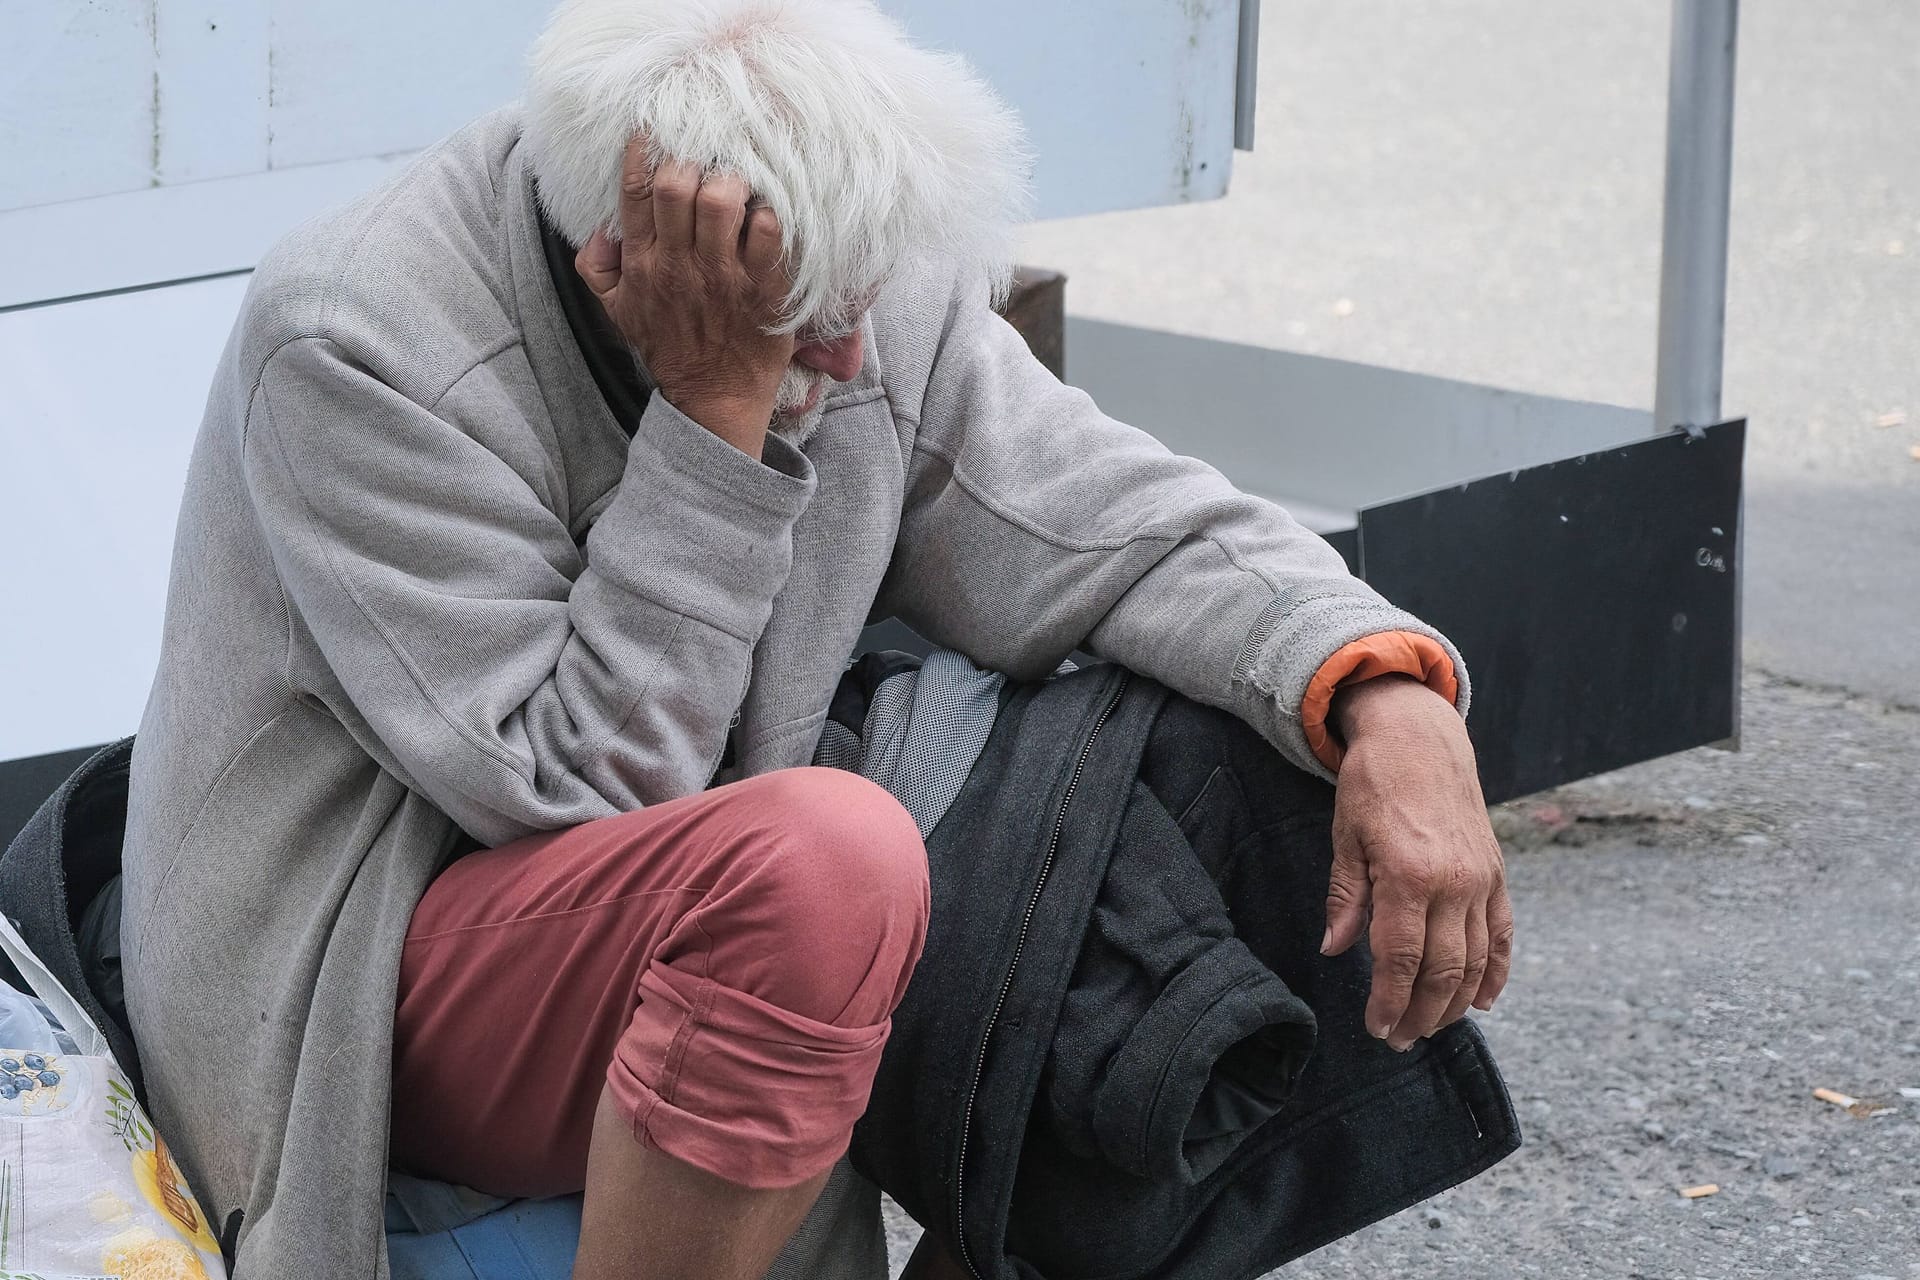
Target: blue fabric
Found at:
527, 1240
416, 1204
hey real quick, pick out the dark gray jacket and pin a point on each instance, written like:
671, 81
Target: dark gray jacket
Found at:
1122, 1054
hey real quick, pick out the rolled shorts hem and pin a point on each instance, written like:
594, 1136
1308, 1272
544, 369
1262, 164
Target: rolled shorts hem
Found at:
746, 1091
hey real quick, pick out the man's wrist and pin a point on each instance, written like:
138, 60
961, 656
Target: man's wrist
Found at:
1364, 705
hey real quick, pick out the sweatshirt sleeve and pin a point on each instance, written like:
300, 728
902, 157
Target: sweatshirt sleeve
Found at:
446, 615
1034, 523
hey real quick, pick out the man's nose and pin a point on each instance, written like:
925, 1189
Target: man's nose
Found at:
838, 358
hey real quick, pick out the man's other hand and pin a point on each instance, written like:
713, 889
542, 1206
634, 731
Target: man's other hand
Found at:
1413, 847
693, 284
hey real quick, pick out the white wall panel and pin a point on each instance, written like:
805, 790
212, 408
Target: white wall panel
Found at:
76, 99
97, 420
160, 234
212, 89
1129, 103
358, 78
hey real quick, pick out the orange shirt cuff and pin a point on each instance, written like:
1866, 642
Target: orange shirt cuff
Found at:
1387, 653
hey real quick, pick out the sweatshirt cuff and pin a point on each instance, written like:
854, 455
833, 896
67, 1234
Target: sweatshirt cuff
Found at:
700, 527
1382, 654
1295, 636
779, 482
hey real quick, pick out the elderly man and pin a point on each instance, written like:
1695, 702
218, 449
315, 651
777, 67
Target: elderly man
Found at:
540, 499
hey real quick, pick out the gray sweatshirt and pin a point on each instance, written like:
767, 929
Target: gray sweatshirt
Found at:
425, 588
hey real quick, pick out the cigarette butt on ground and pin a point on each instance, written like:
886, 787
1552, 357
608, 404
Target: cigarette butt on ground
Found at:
1837, 1098
1702, 1191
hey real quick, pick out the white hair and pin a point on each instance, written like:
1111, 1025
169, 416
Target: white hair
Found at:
870, 150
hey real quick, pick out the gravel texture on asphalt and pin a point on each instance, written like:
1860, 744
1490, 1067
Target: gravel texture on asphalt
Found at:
1703, 942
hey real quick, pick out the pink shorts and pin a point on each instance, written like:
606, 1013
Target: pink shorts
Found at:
728, 963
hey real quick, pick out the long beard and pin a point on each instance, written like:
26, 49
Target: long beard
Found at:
788, 421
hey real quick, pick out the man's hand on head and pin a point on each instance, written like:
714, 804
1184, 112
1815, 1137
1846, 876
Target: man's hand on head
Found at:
693, 284
1414, 851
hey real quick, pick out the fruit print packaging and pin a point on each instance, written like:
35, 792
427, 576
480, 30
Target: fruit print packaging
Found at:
87, 1188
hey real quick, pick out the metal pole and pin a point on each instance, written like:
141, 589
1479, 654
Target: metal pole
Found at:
1246, 75
1693, 261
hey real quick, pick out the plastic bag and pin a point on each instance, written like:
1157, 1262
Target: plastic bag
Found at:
26, 1024
87, 1189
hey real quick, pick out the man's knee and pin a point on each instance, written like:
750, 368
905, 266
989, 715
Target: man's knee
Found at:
838, 835
843, 894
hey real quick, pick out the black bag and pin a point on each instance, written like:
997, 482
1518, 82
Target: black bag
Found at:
59, 884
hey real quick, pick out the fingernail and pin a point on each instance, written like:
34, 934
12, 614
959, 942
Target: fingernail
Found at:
1326, 943
1382, 1031
1483, 1004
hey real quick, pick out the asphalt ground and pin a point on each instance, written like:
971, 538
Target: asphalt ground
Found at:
1472, 188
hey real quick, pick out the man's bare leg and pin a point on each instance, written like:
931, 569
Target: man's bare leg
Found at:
649, 1216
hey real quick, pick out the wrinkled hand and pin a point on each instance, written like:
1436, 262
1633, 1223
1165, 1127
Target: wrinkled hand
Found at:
693, 284
1412, 842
